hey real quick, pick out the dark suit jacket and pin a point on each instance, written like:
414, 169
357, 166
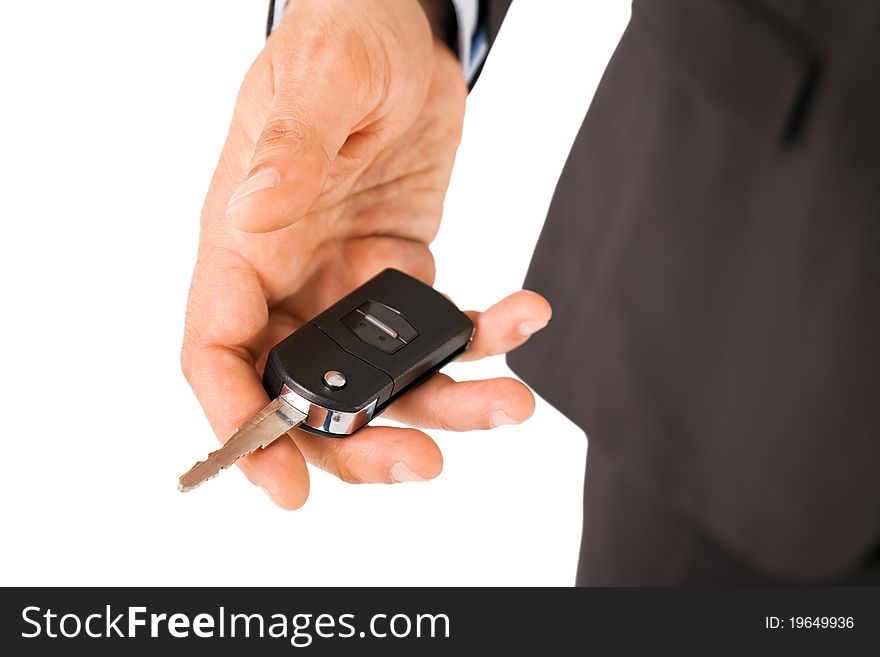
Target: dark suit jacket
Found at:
712, 254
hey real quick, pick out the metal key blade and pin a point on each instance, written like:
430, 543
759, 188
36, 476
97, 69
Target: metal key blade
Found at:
261, 430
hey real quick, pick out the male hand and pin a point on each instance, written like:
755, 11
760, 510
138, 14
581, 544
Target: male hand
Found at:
335, 167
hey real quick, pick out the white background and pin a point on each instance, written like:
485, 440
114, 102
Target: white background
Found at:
112, 117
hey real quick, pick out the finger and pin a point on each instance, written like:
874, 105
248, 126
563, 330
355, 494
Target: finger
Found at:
367, 256
374, 455
363, 258
230, 392
310, 119
442, 403
507, 324
217, 359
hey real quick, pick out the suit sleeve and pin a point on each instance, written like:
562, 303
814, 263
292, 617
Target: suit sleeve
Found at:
491, 15
456, 22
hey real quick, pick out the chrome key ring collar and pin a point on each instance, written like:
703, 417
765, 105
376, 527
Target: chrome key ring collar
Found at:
327, 421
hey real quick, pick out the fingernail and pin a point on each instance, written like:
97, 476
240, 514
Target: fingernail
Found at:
500, 418
256, 182
529, 327
400, 473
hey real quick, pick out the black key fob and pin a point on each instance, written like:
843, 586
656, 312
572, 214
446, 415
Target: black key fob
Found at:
346, 365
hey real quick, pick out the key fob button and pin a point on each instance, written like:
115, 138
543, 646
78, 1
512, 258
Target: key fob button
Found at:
388, 319
334, 379
379, 329
303, 362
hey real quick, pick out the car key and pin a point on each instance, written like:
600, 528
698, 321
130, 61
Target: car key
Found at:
341, 369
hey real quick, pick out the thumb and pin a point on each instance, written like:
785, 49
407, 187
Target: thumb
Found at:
292, 158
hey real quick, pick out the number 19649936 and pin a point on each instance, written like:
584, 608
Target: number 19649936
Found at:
809, 622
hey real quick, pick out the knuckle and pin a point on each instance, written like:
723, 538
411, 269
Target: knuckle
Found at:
191, 348
187, 366
346, 469
443, 424
185, 363
338, 463
432, 415
288, 132
436, 413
